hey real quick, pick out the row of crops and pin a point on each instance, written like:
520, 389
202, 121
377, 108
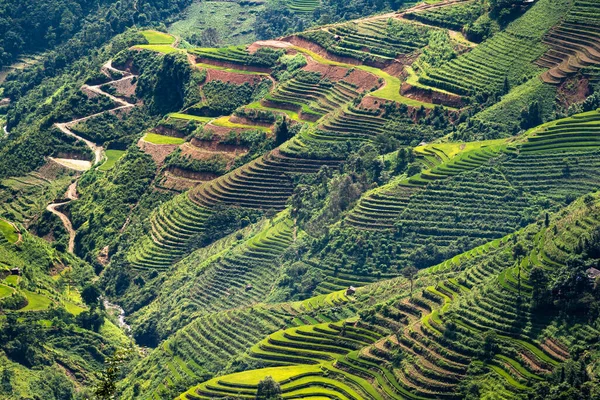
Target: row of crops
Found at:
23, 197
441, 331
311, 99
555, 160
507, 56
371, 41
574, 44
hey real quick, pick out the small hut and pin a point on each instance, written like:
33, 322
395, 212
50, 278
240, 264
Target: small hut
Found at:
350, 291
592, 273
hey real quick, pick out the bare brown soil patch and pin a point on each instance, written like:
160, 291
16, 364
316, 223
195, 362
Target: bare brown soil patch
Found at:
158, 152
51, 170
124, 88
573, 90
177, 183
232, 77
431, 96
163, 130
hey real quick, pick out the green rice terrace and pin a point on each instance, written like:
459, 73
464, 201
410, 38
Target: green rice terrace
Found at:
301, 200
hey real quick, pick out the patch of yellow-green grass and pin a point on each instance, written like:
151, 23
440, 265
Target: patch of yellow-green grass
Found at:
233, 70
155, 138
159, 48
279, 374
73, 308
9, 231
461, 39
112, 156
450, 150
54, 95
321, 59
291, 114
73, 295
155, 37
12, 280
391, 88
36, 301
46, 323
5, 291
225, 122
190, 117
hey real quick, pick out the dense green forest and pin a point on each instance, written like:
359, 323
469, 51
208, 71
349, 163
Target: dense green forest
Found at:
374, 200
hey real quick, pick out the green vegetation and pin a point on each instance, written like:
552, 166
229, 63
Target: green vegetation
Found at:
371, 41
155, 138
215, 23
155, 37
112, 156
510, 52
189, 117
318, 223
8, 231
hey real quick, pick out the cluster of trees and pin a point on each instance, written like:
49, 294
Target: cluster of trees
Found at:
106, 200
116, 131
216, 164
222, 98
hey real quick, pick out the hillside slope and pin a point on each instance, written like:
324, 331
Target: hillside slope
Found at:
399, 206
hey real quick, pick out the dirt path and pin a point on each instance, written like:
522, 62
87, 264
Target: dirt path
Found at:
65, 126
52, 207
71, 193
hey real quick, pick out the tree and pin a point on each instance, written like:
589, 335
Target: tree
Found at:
268, 389
6, 381
506, 86
91, 295
490, 344
282, 132
518, 253
539, 282
210, 37
409, 273
107, 381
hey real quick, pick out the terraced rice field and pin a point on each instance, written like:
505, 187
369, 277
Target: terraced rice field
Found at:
244, 276
451, 17
303, 6
231, 54
440, 331
372, 41
508, 54
311, 100
350, 124
553, 158
172, 226
574, 44
21, 198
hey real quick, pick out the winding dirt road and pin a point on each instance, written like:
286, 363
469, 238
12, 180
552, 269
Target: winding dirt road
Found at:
70, 195
98, 150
